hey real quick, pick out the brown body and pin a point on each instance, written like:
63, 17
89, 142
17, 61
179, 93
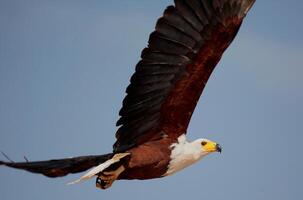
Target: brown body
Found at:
153, 163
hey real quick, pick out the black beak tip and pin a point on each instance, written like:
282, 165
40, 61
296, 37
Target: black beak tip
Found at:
219, 148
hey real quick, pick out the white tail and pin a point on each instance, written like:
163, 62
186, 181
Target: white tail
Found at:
100, 168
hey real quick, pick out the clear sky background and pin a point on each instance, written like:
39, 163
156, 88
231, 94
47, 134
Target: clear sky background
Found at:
64, 67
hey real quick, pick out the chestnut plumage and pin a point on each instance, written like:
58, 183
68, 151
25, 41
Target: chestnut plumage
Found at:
188, 42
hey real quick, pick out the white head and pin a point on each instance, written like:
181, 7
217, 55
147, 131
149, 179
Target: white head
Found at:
186, 153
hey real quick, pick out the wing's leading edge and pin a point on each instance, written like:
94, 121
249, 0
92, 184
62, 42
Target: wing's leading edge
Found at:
182, 52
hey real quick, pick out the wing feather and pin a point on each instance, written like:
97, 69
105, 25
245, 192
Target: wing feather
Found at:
60, 167
188, 41
186, 12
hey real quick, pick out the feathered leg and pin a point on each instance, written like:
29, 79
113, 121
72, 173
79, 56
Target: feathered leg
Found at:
106, 179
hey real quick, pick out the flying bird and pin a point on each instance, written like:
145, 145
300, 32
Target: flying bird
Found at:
188, 42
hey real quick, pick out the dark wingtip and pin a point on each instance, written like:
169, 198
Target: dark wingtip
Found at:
6, 156
2, 163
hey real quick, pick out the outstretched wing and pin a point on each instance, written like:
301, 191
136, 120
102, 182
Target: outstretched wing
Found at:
188, 42
60, 167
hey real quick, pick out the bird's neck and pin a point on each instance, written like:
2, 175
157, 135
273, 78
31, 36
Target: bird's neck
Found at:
184, 154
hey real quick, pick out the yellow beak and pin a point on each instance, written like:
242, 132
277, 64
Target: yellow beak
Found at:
212, 147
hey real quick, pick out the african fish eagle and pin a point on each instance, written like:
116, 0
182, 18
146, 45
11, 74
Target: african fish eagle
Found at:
188, 41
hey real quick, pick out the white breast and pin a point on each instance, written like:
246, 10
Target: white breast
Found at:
184, 154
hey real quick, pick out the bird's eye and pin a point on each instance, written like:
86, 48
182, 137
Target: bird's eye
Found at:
203, 143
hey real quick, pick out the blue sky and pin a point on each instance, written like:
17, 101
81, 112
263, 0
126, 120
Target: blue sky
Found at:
64, 67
